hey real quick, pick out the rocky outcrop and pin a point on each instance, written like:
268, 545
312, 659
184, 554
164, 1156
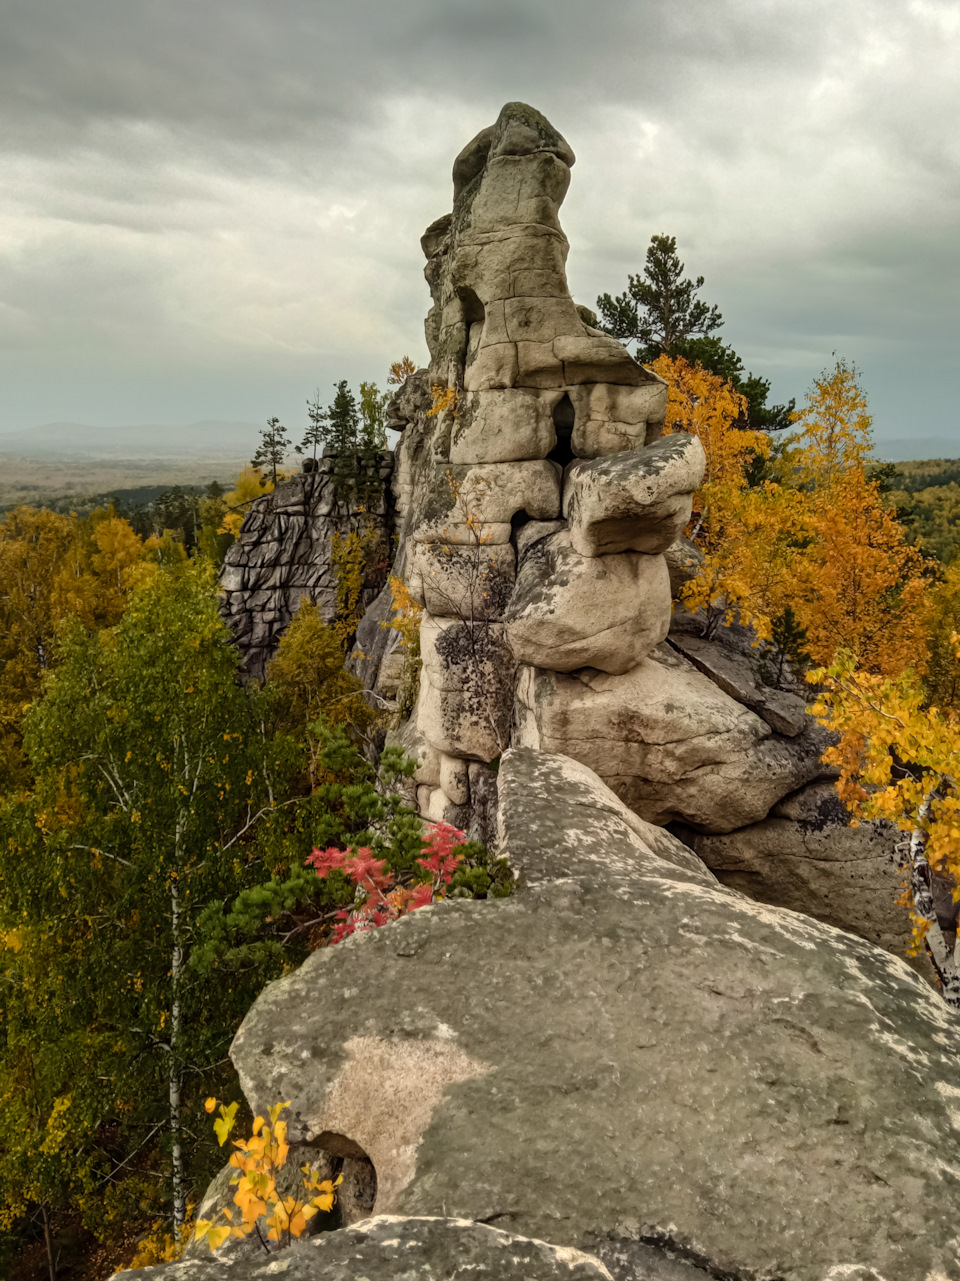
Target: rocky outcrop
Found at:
283, 555
538, 512
627, 1059
391, 1247
535, 565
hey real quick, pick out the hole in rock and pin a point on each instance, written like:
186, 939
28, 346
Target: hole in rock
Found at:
357, 1194
563, 420
473, 317
517, 522
473, 309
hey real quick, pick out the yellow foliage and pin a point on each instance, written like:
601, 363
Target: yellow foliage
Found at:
859, 587
703, 404
941, 622
822, 542
161, 1246
308, 674
836, 427
356, 557
251, 483
54, 568
405, 619
897, 759
749, 562
258, 1160
445, 399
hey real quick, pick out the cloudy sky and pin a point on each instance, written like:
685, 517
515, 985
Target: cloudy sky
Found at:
208, 208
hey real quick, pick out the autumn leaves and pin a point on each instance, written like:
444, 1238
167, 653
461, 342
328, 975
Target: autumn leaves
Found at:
800, 525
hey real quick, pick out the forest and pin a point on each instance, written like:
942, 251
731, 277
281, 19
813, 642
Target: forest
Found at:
193, 834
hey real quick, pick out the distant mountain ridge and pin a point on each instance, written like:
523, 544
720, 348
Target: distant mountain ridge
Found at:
238, 440
207, 438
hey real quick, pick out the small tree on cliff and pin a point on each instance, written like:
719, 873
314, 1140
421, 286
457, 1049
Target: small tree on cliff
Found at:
343, 430
274, 447
315, 436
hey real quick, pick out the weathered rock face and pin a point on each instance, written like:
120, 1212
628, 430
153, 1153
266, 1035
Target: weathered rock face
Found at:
569, 611
625, 1059
283, 554
390, 1247
667, 740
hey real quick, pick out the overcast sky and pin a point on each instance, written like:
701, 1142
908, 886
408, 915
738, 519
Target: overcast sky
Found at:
208, 208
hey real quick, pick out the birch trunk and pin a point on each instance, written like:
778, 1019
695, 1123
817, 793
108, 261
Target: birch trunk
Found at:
945, 960
176, 965
48, 1240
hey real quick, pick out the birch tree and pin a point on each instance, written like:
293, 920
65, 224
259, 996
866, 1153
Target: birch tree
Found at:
151, 772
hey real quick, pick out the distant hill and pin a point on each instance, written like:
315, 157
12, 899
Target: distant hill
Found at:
206, 439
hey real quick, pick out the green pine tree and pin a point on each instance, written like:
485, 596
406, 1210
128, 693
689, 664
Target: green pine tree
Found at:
315, 437
274, 447
343, 430
659, 307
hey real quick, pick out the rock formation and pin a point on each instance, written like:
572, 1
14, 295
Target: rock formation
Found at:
540, 514
283, 554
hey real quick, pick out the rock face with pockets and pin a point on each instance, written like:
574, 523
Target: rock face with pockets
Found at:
523, 388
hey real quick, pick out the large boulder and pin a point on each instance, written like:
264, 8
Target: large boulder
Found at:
483, 497
569, 611
626, 1060
807, 857
503, 426
671, 744
394, 1248
637, 501
462, 581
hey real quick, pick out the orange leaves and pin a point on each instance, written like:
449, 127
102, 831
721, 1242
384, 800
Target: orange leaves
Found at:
258, 1160
860, 586
706, 406
400, 371
836, 425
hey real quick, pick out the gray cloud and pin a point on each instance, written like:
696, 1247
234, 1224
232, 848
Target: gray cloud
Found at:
207, 210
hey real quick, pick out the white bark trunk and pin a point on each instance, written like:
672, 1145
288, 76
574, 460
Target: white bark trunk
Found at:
176, 964
945, 960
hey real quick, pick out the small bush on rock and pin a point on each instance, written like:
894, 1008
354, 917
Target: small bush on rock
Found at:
258, 1161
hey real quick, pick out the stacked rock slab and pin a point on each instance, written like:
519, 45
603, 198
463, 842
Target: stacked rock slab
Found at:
536, 500
284, 553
